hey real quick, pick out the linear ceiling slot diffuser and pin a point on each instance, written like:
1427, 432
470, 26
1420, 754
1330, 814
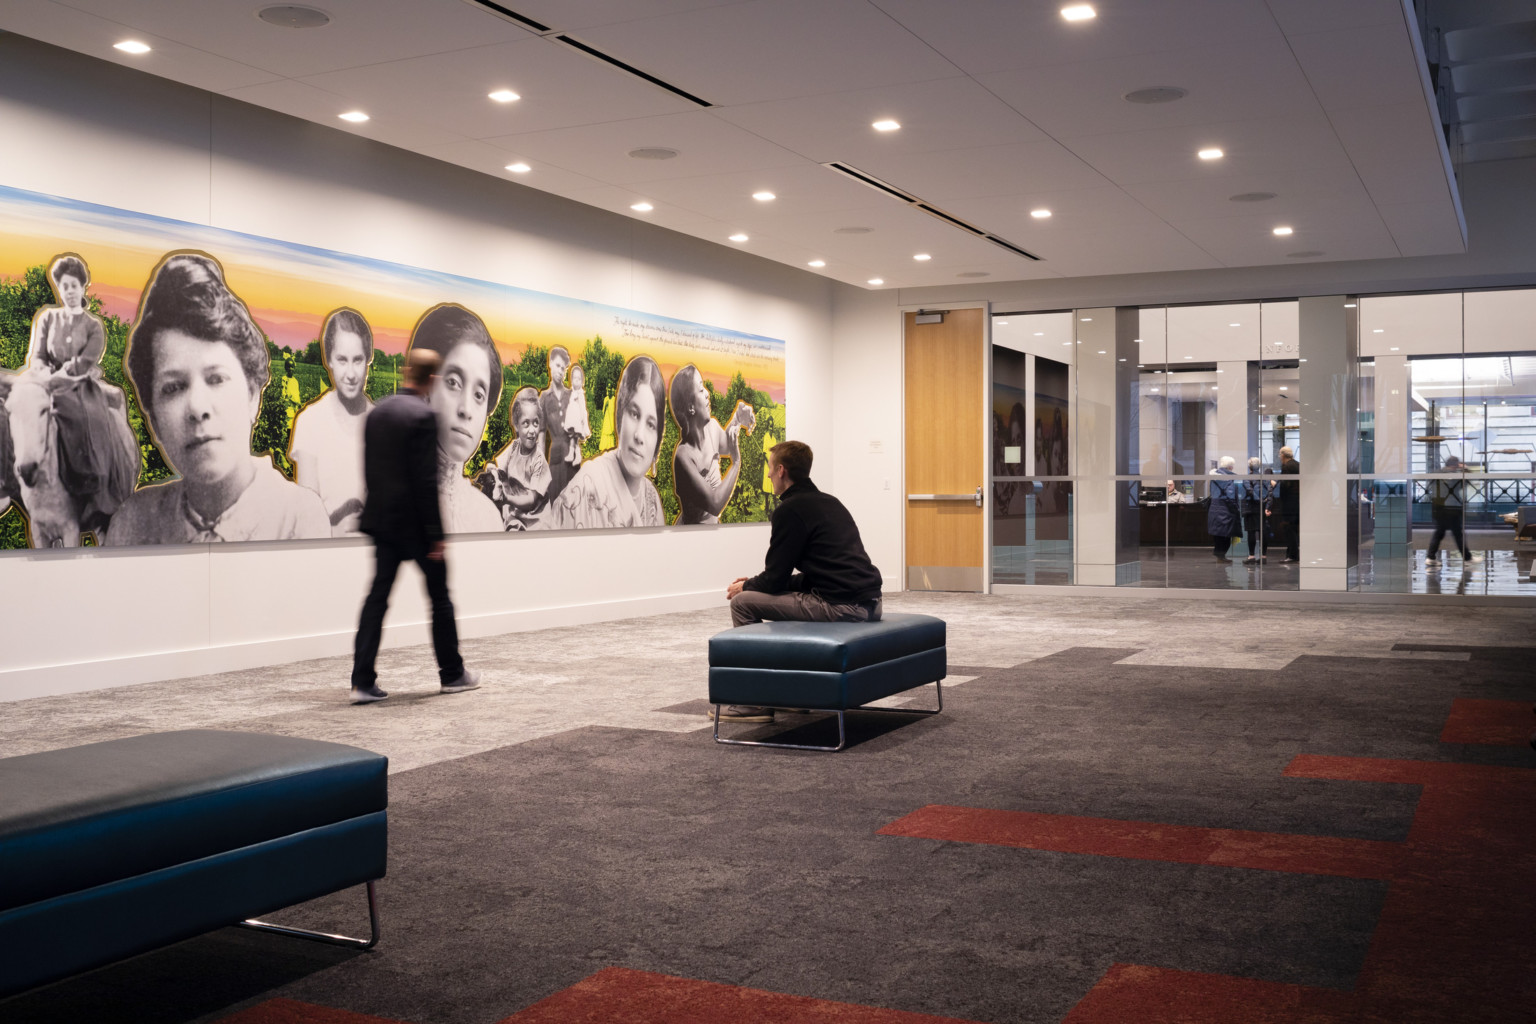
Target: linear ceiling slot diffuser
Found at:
508, 14
863, 178
555, 36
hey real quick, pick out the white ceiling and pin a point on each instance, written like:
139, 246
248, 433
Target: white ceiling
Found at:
1004, 106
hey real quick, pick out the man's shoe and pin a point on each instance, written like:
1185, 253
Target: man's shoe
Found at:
470, 680
1474, 558
743, 713
1431, 563
368, 696
1289, 561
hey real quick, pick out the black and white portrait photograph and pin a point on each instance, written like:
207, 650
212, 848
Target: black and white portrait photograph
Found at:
614, 488
519, 477
702, 492
71, 455
468, 388
554, 403
198, 364
327, 442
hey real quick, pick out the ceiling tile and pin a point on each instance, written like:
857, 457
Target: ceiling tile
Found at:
982, 36
1252, 149
1021, 169
1360, 67
1396, 151
1298, 16
1339, 234
302, 100
569, 15
559, 89
937, 115
493, 160
705, 144
1068, 101
1296, 190
773, 49
96, 35
360, 32
800, 189
1424, 229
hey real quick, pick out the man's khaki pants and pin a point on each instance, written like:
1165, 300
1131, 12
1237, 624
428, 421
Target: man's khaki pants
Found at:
753, 606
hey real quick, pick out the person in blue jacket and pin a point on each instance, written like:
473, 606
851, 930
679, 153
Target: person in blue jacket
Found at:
1224, 520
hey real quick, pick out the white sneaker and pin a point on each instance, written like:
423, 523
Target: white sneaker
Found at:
470, 680
1431, 563
1474, 558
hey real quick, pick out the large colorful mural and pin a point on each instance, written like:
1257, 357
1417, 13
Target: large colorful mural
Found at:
166, 382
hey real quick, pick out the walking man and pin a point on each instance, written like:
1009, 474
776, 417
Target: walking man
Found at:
402, 515
813, 533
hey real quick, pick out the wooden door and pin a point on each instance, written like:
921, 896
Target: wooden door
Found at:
945, 451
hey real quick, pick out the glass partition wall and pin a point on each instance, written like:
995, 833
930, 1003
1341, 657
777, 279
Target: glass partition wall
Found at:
1314, 444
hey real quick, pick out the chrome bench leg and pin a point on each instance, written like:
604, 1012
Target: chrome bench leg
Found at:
335, 940
842, 735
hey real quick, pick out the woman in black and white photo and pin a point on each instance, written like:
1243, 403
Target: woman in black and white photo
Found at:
327, 445
467, 389
98, 457
612, 489
702, 493
198, 364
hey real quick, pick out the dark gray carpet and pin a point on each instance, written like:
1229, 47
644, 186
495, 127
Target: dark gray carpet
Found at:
515, 873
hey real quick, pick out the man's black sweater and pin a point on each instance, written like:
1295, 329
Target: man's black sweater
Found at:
814, 533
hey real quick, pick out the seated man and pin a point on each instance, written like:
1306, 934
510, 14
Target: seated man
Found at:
814, 534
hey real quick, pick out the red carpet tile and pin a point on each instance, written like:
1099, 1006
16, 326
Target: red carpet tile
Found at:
1504, 723
1454, 943
290, 1011
639, 997
1139, 840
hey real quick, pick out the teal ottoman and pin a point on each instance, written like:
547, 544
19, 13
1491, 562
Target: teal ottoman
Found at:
825, 666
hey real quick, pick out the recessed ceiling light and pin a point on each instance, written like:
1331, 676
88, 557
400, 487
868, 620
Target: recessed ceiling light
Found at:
764, 197
519, 168
1002, 323
1234, 325
1122, 359
738, 237
817, 263
504, 96
1087, 319
355, 116
1039, 334
1215, 387
1138, 341
1262, 405
1210, 154
1284, 388
886, 125
641, 207
1079, 12
1040, 214
877, 280
1394, 348
293, 16
1379, 330
922, 257
1156, 94
1189, 357
131, 46
653, 153
1349, 305
1066, 343
1283, 231
1154, 391
1102, 352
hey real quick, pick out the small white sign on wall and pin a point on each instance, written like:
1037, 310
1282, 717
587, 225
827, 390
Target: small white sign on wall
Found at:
1013, 454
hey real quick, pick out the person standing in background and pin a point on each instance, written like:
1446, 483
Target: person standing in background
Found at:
1289, 494
1255, 506
403, 516
1223, 519
1445, 498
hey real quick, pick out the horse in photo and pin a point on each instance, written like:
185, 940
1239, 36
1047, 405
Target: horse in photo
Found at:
33, 468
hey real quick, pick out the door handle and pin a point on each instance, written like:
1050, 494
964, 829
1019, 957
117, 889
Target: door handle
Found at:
949, 497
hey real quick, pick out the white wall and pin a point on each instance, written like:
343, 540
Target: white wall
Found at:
104, 134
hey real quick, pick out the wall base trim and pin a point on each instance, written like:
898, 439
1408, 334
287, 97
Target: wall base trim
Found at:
1271, 596
78, 677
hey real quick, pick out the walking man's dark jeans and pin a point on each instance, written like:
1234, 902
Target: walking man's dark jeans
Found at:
445, 633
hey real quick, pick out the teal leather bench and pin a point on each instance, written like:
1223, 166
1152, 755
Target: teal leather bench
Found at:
112, 849
825, 666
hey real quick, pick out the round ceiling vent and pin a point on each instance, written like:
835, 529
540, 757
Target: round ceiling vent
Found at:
1305, 254
293, 16
653, 153
1252, 197
1156, 94
973, 273
852, 231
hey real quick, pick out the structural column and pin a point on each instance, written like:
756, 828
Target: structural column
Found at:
1105, 527
1330, 442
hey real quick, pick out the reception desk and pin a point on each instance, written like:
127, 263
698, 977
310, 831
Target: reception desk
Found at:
1177, 525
